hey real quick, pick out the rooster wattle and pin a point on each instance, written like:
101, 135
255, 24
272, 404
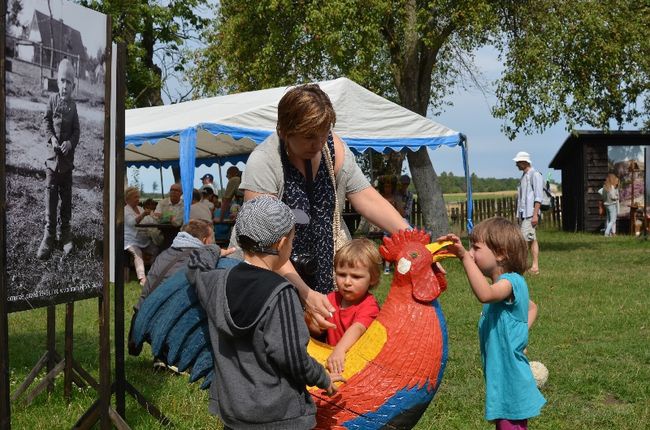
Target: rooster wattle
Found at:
393, 371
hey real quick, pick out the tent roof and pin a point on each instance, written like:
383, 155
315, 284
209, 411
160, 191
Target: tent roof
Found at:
228, 127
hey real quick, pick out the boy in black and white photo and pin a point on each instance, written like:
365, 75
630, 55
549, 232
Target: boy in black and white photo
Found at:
61, 123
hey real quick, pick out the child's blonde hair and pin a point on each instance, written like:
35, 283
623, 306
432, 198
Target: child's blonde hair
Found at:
505, 240
361, 252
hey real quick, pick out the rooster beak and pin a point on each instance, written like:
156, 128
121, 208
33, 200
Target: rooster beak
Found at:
439, 251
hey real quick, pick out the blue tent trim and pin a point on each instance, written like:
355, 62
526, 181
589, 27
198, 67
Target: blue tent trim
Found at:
188, 161
233, 159
258, 136
236, 132
141, 139
386, 145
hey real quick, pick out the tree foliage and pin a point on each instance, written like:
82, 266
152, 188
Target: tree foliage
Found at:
156, 34
389, 47
584, 62
457, 184
416, 52
14, 7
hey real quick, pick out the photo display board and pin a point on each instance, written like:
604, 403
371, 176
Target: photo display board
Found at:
628, 163
55, 146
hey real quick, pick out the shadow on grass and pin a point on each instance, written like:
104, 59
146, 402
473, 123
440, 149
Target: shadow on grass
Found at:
26, 348
563, 247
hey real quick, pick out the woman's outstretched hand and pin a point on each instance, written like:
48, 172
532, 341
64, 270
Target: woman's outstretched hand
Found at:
319, 309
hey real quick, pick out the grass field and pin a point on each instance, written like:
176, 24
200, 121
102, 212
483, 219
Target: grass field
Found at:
593, 334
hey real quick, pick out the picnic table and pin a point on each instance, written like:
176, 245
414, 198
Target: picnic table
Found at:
168, 230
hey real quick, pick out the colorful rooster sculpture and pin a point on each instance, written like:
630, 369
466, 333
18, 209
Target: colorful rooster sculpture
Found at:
392, 372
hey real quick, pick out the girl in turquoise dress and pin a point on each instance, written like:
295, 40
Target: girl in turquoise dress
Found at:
499, 252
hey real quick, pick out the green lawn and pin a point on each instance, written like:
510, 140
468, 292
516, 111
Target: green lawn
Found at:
593, 334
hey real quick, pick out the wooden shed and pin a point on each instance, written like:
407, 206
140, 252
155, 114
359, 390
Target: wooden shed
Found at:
585, 158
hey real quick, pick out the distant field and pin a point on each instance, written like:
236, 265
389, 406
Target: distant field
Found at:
461, 197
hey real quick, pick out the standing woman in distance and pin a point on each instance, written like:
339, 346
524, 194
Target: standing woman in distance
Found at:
309, 167
610, 201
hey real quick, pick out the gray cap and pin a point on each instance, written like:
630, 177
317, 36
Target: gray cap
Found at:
266, 220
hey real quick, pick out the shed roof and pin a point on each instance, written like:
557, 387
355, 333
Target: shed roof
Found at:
598, 137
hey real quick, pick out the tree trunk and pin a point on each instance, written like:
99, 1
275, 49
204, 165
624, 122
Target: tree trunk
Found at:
414, 61
150, 96
430, 199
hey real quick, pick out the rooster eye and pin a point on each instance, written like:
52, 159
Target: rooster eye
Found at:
414, 254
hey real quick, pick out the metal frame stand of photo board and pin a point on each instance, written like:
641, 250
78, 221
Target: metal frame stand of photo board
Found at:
121, 386
54, 364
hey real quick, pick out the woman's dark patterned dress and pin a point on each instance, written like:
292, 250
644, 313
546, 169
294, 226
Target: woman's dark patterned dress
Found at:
315, 239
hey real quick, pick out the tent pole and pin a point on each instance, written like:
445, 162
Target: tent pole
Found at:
221, 192
162, 186
468, 182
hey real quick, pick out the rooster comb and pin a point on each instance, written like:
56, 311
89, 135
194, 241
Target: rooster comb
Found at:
395, 243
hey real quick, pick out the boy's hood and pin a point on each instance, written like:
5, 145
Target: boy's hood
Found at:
202, 275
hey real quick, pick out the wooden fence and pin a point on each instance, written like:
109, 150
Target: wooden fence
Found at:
505, 207
483, 209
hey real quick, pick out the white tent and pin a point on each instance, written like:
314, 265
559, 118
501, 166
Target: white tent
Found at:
227, 128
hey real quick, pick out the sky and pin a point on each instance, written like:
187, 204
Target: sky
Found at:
490, 152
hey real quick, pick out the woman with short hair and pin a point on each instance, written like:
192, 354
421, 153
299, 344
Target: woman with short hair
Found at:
309, 167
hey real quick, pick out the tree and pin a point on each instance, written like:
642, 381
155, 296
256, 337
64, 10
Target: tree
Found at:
135, 178
156, 35
414, 52
13, 24
585, 62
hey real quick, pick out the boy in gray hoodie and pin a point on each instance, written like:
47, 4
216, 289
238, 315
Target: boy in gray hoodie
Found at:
257, 328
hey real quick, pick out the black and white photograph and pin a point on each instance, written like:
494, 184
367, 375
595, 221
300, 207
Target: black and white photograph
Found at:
55, 64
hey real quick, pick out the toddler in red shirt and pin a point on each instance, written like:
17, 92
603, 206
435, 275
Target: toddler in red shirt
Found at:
357, 268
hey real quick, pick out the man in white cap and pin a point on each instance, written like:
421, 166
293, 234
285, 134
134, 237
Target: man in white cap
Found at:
207, 179
529, 200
